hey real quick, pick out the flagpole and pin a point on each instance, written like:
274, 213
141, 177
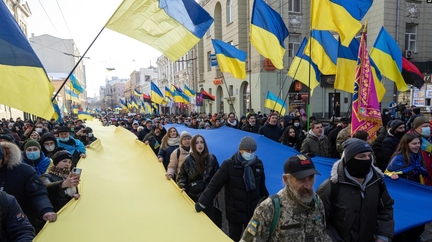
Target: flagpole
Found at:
229, 94
76, 65
309, 90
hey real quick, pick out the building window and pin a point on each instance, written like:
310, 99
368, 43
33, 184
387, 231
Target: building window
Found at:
293, 45
208, 61
229, 11
294, 6
208, 33
410, 37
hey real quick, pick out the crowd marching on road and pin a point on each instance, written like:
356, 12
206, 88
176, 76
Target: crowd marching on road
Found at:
37, 179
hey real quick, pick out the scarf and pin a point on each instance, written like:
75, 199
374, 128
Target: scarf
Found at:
313, 134
233, 123
185, 148
173, 141
248, 175
63, 173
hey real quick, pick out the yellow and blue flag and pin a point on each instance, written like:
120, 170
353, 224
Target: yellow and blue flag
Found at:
180, 97
303, 69
341, 16
230, 59
346, 70
169, 93
123, 104
275, 103
134, 102
136, 92
75, 86
70, 95
323, 51
118, 108
22, 73
57, 113
388, 57
85, 115
75, 109
171, 26
268, 32
155, 94
189, 92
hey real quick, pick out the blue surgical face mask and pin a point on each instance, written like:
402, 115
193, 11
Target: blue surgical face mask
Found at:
90, 135
33, 155
426, 131
64, 139
296, 124
386, 113
248, 156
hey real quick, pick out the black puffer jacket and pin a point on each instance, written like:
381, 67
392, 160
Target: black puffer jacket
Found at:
270, 131
376, 147
56, 193
188, 173
239, 203
357, 214
249, 128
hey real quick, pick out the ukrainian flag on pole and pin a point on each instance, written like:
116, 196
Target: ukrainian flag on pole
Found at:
188, 91
388, 57
230, 59
155, 94
268, 32
274, 103
136, 92
22, 74
75, 86
342, 16
171, 26
169, 93
324, 51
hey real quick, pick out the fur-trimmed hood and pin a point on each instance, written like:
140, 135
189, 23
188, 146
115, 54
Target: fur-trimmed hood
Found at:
15, 154
337, 170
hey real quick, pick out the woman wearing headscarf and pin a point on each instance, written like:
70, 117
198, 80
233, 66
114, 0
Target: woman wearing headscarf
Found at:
60, 182
197, 171
170, 142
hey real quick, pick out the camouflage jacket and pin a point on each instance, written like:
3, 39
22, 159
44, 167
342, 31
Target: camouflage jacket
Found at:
296, 223
343, 135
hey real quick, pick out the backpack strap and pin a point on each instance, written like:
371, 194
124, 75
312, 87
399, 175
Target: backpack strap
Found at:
334, 193
276, 214
178, 153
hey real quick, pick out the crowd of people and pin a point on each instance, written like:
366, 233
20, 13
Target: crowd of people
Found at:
43, 153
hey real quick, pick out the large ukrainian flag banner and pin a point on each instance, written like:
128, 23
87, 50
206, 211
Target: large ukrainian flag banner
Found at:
84, 115
230, 59
342, 16
275, 103
129, 199
171, 26
268, 32
323, 51
21, 72
388, 58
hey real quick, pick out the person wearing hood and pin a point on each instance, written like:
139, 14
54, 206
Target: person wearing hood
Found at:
48, 143
243, 179
316, 143
287, 120
179, 155
391, 142
21, 181
270, 129
357, 204
34, 157
60, 182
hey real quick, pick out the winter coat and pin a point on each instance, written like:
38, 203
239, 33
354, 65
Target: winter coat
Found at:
249, 128
357, 213
176, 161
56, 193
21, 181
313, 145
188, 174
154, 141
332, 136
235, 125
388, 147
142, 134
166, 154
15, 226
270, 131
239, 203
43, 139
40, 165
343, 136
376, 147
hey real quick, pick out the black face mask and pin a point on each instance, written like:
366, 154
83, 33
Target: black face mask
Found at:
359, 168
399, 135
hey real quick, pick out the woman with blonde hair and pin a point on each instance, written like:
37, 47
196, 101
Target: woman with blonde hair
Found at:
170, 142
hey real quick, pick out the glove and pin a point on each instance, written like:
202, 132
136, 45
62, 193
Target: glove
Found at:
199, 207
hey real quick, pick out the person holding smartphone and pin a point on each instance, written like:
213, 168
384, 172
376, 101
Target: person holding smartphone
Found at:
61, 183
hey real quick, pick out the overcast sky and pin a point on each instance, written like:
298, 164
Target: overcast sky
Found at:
83, 19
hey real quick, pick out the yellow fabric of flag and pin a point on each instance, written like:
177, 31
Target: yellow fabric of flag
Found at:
126, 197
